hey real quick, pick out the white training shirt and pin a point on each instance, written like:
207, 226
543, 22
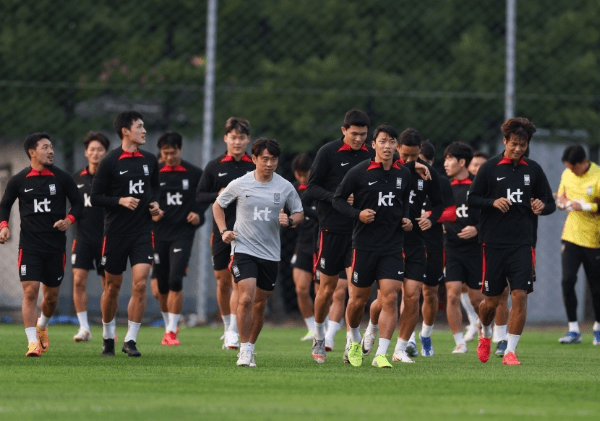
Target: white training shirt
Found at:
257, 213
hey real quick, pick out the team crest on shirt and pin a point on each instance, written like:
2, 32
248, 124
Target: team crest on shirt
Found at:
420, 185
235, 270
146, 171
185, 184
527, 179
276, 198
399, 182
590, 190
23, 270
52, 189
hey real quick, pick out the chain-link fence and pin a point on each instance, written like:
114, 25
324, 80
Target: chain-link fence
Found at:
293, 68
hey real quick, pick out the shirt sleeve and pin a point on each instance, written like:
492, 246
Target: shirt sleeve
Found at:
435, 196
230, 194
480, 190
155, 182
340, 198
293, 202
74, 197
199, 207
318, 174
406, 195
205, 193
8, 199
100, 185
449, 213
544, 193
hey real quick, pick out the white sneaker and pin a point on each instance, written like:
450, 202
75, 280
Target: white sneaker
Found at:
83, 336
232, 340
460, 349
245, 358
308, 337
367, 342
252, 363
346, 352
411, 350
328, 344
401, 356
470, 333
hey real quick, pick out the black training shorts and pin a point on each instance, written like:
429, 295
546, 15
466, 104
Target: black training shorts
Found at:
434, 273
335, 252
303, 261
370, 266
45, 267
220, 252
116, 251
464, 264
415, 262
501, 265
171, 259
244, 266
87, 256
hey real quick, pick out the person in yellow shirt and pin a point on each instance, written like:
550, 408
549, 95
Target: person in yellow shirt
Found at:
579, 194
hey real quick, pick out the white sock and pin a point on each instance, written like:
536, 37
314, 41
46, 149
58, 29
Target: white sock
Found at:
574, 327
251, 347
355, 334
108, 329
166, 319
31, 333
513, 341
486, 331
246, 346
426, 330
466, 303
383, 346
83, 321
413, 338
173, 319
459, 339
132, 331
500, 332
332, 328
319, 331
310, 323
401, 345
233, 324
372, 329
43, 321
226, 322
596, 326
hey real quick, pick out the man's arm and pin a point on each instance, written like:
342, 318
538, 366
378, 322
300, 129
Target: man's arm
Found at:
340, 198
436, 197
318, 174
294, 204
9, 197
100, 184
205, 192
550, 204
479, 190
74, 198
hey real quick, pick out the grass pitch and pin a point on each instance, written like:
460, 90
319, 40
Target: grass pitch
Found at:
198, 380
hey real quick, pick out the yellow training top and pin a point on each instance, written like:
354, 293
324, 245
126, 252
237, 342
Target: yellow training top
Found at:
582, 228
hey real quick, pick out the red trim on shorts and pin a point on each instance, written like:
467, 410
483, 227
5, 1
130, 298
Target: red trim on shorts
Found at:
314, 274
212, 238
152, 236
321, 240
444, 259
64, 261
352, 266
73, 247
104, 246
20, 258
230, 263
483, 267
533, 258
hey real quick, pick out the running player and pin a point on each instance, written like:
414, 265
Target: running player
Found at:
507, 189
217, 175
127, 185
42, 190
332, 163
174, 230
87, 244
463, 252
479, 157
255, 241
579, 194
381, 190
302, 261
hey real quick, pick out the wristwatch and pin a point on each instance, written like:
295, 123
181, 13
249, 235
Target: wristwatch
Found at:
223, 232
290, 222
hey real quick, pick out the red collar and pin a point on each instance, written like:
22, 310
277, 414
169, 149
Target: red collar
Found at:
398, 163
84, 171
230, 158
43, 173
465, 181
374, 165
136, 154
507, 161
302, 187
176, 168
346, 147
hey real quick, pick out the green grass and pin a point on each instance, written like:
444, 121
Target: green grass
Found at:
198, 380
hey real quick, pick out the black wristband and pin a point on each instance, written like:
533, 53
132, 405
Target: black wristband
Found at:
290, 222
224, 231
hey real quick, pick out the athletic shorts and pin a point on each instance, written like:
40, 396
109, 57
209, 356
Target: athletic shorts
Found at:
370, 266
87, 256
171, 259
415, 262
244, 266
220, 252
434, 272
116, 251
45, 267
464, 265
501, 265
302, 261
335, 252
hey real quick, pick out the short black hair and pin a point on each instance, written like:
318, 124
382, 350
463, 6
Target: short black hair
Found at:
302, 163
97, 136
32, 140
460, 150
125, 120
356, 118
267, 143
518, 127
236, 123
428, 150
385, 128
481, 154
170, 139
411, 137
574, 154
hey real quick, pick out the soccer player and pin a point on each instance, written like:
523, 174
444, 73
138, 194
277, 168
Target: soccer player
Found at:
87, 244
381, 190
42, 190
261, 196
579, 195
174, 230
463, 252
217, 175
302, 261
479, 157
332, 163
127, 185
507, 189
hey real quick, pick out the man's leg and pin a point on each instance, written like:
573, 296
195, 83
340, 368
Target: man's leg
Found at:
302, 282
429, 309
137, 302
487, 311
389, 291
591, 267
336, 312
354, 312
409, 316
258, 313
323, 302
247, 292
80, 301
454, 314
162, 300
516, 319
29, 308
501, 318
571, 259
109, 299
